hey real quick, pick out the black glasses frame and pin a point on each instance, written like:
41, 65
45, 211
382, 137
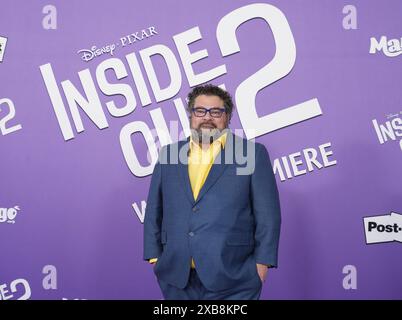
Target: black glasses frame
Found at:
205, 111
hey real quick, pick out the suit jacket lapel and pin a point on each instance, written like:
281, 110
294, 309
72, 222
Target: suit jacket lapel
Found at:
217, 169
183, 173
215, 173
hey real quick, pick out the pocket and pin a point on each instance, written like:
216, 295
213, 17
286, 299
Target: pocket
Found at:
255, 271
240, 239
157, 263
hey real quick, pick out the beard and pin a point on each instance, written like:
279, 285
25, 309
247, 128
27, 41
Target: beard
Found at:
206, 133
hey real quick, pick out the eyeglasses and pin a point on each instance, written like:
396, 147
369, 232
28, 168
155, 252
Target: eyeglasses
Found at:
214, 112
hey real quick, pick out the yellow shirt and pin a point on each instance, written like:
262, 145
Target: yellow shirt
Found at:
200, 162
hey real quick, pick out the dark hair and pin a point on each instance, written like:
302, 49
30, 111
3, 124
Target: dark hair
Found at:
211, 90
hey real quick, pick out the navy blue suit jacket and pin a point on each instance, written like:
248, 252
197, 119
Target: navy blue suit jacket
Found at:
232, 225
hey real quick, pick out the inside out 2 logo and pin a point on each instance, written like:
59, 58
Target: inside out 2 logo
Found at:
391, 130
9, 214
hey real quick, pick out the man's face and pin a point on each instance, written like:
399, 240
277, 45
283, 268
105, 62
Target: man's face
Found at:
208, 126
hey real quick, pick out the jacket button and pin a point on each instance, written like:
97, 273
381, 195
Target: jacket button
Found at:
191, 234
195, 209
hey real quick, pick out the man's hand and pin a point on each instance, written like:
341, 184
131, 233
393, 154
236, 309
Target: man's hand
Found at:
262, 270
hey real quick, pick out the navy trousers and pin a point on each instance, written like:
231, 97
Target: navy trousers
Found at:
195, 290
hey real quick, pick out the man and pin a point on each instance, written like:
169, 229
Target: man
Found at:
212, 224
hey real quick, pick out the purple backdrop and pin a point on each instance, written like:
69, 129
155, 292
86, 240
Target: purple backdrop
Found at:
69, 228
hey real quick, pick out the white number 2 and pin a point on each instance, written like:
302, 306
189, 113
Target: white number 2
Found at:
8, 117
279, 67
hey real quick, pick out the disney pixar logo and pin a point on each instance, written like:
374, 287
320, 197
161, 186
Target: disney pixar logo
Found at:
88, 55
9, 214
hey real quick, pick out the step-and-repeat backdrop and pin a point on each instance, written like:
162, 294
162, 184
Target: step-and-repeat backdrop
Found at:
88, 91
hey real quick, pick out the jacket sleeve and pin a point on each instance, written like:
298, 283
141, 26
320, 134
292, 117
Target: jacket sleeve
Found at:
266, 209
153, 215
